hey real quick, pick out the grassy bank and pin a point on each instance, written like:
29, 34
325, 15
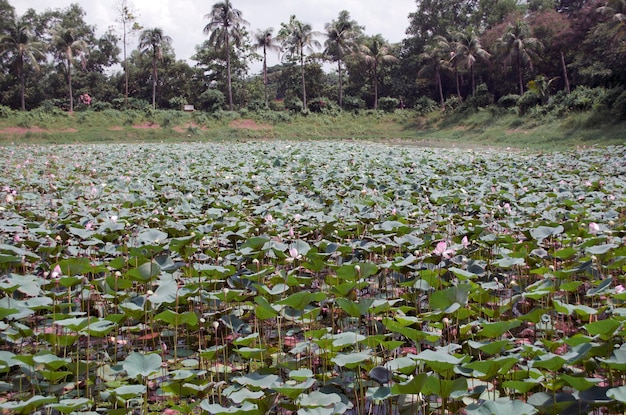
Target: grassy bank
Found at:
486, 127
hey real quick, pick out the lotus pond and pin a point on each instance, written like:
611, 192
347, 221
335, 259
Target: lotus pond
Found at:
320, 278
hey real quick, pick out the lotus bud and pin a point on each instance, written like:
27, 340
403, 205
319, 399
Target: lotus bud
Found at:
594, 258
445, 321
149, 292
551, 268
202, 320
255, 261
226, 290
216, 324
357, 269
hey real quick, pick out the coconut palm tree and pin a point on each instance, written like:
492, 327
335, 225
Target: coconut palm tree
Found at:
434, 59
615, 10
224, 30
18, 41
153, 41
468, 51
341, 39
519, 48
376, 51
297, 38
67, 40
265, 41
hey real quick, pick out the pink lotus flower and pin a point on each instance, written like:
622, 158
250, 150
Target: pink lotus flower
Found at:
619, 289
465, 242
56, 272
442, 249
594, 228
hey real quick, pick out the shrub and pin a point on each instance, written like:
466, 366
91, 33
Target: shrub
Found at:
618, 110
351, 103
424, 105
293, 104
508, 101
5, 112
133, 104
452, 103
528, 101
101, 106
388, 104
256, 105
212, 100
482, 98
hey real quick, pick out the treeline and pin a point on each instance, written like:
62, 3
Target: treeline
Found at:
457, 54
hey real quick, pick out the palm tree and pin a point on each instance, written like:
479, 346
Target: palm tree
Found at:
341, 40
153, 41
19, 41
434, 59
265, 41
518, 46
298, 37
66, 39
616, 11
224, 28
376, 52
468, 51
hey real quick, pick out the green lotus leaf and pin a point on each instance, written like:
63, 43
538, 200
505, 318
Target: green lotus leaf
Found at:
27, 405
246, 408
257, 380
245, 394
71, 405
317, 398
439, 360
152, 237
355, 308
350, 360
605, 329
139, 364
127, 392
501, 406
618, 393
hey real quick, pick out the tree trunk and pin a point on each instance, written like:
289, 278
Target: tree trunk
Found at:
458, 87
265, 74
69, 81
154, 81
519, 74
340, 84
230, 84
473, 81
441, 101
567, 87
304, 105
20, 68
375, 86
125, 69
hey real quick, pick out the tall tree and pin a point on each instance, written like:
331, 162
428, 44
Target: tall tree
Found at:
468, 51
265, 40
615, 12
519, 48
434, 59
376, 52
67, 40
341, 39
19, 42
224, 29
153, 41
297, 38
128, 19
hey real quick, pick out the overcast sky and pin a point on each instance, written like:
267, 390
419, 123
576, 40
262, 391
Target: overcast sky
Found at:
183, 20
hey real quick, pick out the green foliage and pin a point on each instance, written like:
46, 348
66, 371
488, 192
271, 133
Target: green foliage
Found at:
256, 105
5, 112
527, 101
293, 104
508, 101
481, 99
618, 109
352, 103
388, 104
211, 100
424, 105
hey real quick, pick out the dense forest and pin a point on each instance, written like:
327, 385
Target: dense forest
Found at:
481, 52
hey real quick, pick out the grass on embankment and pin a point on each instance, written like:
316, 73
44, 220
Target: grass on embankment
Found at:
493, 128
